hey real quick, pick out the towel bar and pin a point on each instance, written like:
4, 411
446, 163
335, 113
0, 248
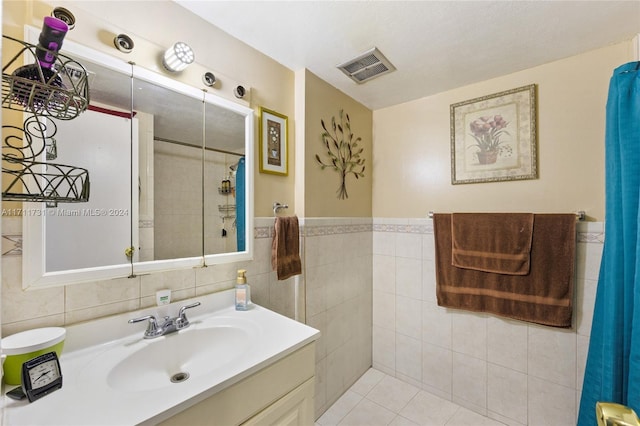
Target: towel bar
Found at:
580, 214
277, 207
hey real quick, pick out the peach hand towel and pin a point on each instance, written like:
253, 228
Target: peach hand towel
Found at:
492, 242
285, 248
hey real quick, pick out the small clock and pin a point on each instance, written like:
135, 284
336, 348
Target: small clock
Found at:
41, 376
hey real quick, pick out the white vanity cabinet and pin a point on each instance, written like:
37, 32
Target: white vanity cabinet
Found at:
280, 394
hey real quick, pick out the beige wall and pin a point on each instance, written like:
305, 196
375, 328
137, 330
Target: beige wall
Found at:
323, 101
412, 172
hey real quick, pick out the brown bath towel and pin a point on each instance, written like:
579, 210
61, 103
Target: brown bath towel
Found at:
285, 248
544, 296
492, 242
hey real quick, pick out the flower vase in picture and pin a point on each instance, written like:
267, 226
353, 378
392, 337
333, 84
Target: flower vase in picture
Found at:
487, 157
487, 132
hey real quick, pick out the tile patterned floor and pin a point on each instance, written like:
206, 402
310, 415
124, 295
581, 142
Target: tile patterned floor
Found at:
379, 399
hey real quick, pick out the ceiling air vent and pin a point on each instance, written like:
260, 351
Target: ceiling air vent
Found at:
370, 64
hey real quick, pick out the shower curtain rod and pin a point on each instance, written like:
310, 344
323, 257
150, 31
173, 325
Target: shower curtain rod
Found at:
222, 151
580, 214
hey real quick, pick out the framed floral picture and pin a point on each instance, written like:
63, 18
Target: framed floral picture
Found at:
493, 138
273, 142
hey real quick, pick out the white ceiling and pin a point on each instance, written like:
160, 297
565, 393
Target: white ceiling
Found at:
435, 45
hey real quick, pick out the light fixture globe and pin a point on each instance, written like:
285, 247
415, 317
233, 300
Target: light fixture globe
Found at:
178, 57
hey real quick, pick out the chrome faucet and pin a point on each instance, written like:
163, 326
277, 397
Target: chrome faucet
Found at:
169, 325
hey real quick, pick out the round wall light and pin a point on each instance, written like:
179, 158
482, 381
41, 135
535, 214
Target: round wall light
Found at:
239, 92
65, 16
123, 43
209, 79
178, 57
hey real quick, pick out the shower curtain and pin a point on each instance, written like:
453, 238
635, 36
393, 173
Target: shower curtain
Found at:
613, 364
240, 206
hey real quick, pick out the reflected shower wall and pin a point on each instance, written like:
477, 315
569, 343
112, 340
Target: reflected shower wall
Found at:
177, 201
219, 203
177, 204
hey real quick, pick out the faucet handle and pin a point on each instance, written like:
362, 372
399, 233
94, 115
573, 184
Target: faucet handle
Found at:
152, 328
182, 321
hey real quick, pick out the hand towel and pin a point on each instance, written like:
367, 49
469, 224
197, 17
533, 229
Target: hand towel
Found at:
285, 248
492, 242
544, 296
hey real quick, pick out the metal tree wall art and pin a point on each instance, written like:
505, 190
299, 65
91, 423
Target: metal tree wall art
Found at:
342, 151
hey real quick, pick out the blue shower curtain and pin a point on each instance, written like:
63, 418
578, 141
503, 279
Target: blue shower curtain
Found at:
613, 363
240, 205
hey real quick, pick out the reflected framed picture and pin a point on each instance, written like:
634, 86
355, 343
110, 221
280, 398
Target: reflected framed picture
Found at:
493, 138
273, 143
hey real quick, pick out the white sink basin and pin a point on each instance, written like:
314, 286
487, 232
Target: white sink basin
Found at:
170, 360
178, 356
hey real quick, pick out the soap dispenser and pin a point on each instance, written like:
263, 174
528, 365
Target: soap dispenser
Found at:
243, 294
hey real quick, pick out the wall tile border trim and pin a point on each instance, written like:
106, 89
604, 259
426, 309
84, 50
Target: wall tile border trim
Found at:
12, 245
587, 232
314, 227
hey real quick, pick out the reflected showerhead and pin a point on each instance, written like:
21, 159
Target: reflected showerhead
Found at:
234, 167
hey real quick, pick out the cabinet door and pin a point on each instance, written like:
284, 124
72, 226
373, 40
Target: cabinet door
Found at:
285, 383
293, 409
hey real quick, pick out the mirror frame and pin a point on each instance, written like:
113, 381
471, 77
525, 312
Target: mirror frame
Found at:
34, 270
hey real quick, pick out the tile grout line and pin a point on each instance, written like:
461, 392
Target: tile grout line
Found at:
453, 415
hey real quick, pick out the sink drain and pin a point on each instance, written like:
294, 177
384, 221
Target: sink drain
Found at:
179, 377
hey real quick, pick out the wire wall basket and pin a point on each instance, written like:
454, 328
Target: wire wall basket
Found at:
59, 92
33, 180
227, 210
36, 181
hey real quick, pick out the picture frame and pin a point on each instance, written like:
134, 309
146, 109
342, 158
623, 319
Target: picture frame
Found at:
273, 141
494, 137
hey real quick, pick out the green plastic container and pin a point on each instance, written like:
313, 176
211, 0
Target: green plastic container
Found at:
23, 346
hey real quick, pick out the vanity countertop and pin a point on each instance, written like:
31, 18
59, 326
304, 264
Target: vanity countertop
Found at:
95, 393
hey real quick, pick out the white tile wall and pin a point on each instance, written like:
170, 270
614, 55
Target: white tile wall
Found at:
59, 306
370, 290
338, 275
512, 371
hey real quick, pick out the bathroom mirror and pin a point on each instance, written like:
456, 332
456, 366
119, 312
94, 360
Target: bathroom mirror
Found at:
175, 149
